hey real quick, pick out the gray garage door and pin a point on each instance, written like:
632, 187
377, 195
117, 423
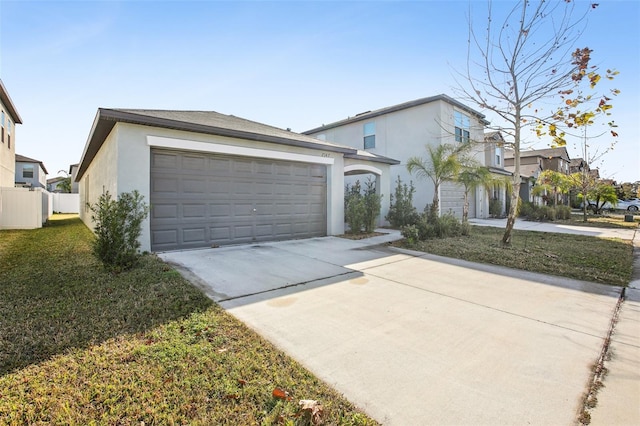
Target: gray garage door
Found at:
201, 200
452, 199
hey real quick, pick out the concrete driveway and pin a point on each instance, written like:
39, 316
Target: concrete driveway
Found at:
416, 339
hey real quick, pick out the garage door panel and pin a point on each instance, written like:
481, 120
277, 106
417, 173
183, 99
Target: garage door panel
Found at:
193, 162
168, 186
194, 235
194, 185
203, 199
165, 160
242, 166
194, 211
165, 211
265, 189
164, 237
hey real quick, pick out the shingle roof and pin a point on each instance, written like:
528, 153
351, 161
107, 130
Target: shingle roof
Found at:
544, 153
528, 170
371, 114
207, 122
23, 159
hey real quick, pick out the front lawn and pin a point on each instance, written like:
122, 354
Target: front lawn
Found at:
606, 220
574, 256
79, 345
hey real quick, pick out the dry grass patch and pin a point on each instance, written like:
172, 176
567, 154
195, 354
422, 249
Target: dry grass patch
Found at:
80, 345
607, 261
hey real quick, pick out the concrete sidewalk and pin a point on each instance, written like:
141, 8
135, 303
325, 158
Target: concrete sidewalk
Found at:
413, 338
525, 225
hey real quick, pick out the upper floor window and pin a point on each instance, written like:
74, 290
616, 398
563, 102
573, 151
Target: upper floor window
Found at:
2, 127
27, 171
462, 126
369, 135
498, 158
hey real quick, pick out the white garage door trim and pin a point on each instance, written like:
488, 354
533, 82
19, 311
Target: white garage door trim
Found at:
188, 145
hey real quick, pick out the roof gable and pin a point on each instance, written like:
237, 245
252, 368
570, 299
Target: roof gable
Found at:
23, 159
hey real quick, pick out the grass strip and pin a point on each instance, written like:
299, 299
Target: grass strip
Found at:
80, 345
600, 260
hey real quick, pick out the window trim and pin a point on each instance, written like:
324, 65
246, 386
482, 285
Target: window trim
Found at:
29, 167
369, 135
462, 127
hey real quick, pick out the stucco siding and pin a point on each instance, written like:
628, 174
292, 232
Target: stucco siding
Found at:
404, 134
101, 176
123, 165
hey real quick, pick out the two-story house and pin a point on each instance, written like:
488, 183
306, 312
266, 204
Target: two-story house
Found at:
30, 173
403, 131
494, 160
9, 117
535, 161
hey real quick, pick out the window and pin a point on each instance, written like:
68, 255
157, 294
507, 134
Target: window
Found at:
322, 137
27, 171
462, 126
497, 158
369, 135
2, 126
8, 134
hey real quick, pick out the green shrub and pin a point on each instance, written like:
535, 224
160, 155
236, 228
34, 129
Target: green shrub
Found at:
372, 206
495, 207
118, 224
362, 210
411, 234
544, 213
563, 212
429, 227
402, 212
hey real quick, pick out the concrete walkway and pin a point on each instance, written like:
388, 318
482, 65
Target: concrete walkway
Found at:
622, 233
417, 339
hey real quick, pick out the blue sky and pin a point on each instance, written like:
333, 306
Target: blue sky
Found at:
287, 64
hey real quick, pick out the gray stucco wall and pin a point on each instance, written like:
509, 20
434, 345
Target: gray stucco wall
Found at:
123, 165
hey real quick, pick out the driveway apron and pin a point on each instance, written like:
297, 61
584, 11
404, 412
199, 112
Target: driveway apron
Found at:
413, 338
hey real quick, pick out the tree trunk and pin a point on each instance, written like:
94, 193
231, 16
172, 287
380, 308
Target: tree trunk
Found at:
465, 207
435, 206
513, 213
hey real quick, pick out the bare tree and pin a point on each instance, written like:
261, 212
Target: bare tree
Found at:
515, 66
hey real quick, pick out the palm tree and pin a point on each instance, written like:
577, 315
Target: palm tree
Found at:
441, 164
552, 181
473, 176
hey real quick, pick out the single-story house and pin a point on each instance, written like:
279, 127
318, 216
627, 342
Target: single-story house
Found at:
213, 179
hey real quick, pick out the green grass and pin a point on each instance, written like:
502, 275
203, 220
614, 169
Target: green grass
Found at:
607, 261
81, 345
606, 220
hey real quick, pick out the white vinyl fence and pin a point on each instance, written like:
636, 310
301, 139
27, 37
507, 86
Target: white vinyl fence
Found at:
23, 208
65, 203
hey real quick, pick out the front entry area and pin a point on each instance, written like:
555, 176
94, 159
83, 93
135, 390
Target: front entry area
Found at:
203, 200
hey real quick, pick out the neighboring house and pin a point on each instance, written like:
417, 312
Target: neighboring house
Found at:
535, 161
52, 184
403, 131
577, 165
494, 161
73, 172
30, 173
9, 117
214, 179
